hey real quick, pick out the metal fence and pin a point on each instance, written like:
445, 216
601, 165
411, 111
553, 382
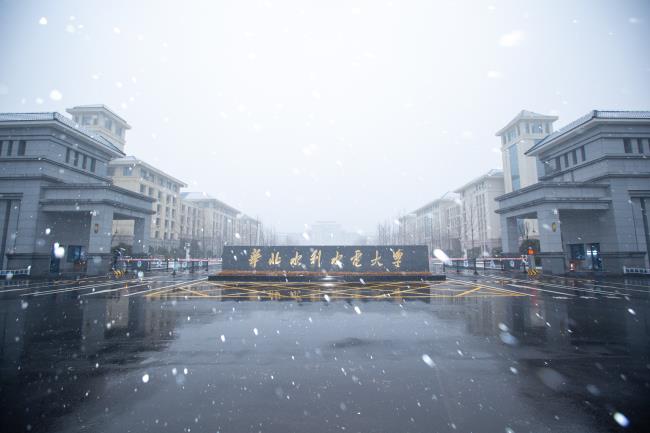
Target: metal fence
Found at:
512, 264
8, 273
636, 271
167, 264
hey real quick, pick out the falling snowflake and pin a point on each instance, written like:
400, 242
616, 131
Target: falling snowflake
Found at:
55, 95
428, 361
621, 419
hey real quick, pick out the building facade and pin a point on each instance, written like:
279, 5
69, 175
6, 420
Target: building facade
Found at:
438, 225
211, 224
517, 137
136, 175
592, 198
481, 228
57, 202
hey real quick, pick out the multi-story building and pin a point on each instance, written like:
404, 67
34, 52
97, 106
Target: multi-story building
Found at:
517, 137
136, 175
481, 228
406, 230
593, 194
212, 223
57, 202
438, 225
248, 231
332, 233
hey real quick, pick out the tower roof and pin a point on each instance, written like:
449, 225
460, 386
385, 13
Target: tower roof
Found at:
97, 107
525, 115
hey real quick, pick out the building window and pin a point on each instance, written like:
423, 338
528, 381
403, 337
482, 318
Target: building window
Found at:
558, 163
583, 156
22, 145
75, 253
76, 159
627, 145
126, 171
111, 171
514, 167
566, 160
536, 128
92, 164
10, 147
1, 143
67, 156
84, 164
574, 157
577, 251
143, 189
639, 143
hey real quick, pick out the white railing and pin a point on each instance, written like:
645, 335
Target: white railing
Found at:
15, 272
636, 271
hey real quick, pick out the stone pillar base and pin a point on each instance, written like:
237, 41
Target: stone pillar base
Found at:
553, 263
98, 263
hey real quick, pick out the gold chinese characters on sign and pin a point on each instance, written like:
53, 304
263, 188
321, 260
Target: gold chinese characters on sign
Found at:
349, 258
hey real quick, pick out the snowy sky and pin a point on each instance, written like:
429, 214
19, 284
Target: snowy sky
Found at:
298, 111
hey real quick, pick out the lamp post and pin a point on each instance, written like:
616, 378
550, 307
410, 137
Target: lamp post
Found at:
471, 212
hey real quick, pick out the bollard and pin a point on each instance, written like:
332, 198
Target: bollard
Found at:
523, 266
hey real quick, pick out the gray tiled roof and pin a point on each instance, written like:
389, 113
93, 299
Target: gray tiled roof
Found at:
196, 196
48, 116
133, 161
204, 196
593, 114
495, 172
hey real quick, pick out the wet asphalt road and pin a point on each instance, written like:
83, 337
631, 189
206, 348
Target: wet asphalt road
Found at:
492, 354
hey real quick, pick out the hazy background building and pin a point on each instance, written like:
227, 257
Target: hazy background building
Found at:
481, 228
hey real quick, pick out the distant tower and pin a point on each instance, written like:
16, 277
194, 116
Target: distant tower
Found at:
519, 135
100, 120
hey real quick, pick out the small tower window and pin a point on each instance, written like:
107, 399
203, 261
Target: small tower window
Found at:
627, 145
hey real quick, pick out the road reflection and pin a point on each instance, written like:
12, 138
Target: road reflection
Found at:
238, 360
